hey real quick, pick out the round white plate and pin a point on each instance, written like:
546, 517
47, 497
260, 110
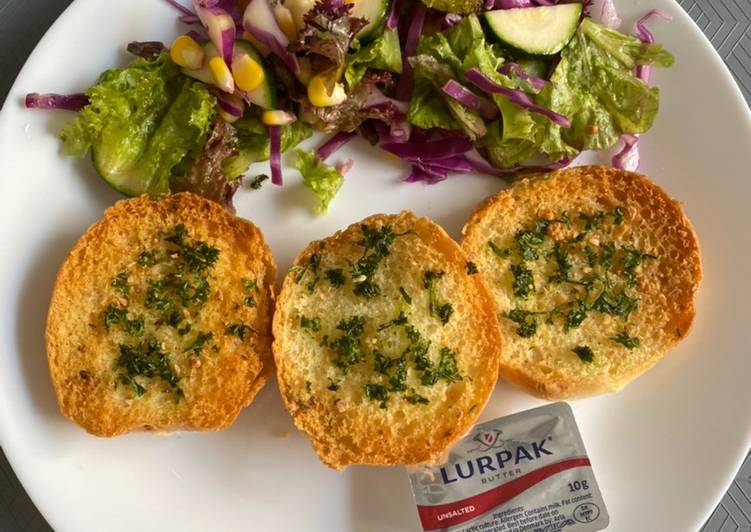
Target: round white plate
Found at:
664, 450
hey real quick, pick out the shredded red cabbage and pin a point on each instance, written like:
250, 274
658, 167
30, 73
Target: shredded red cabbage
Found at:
429, 150
227, 104
515, 96
609, 16
187, 16
404, 88
71, 102
511, 4
275, 155
463, 95
333, 144
628, 157
644, 72
507, 68
393, 20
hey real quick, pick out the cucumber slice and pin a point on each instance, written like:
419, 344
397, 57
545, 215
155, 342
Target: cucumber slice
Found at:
265, 95
375, 12
543, 30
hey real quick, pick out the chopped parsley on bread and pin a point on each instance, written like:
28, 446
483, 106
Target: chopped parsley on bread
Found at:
161, 318
594, 273
386, 343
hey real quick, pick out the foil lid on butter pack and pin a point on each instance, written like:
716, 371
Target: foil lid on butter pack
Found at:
525, 472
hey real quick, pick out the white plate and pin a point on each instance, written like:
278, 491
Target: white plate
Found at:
664, 450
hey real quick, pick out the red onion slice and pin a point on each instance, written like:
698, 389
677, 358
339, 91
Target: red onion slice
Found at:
260, 22
221, 28
463, 95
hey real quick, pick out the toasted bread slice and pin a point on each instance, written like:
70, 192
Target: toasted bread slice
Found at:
161, 318
386, 347
593, 271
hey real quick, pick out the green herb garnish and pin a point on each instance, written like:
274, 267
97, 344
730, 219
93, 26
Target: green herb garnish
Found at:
240, 330
472, 268
335, 277
405, 296
202, 338
377, 392
576, 315
347, 349
584, 353
120, 283
313, 324
257, 182
377, 244
146, 359
312, 265
412, 397
524, 281
442, 311
498, 252
446, 369
629, 342
526, 322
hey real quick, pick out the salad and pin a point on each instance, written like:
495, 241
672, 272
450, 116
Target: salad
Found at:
498, 87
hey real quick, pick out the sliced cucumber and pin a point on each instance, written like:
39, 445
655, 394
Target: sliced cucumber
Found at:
265, 95
543, 30
375, 12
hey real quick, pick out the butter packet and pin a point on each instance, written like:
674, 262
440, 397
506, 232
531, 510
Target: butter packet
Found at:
527, 472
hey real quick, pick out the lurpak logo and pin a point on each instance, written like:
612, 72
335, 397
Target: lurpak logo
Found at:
511, 453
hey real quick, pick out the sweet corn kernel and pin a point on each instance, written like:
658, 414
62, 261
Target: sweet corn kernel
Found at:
248, 73
286, 21
187, 53
319, 95
277, 118
221, 74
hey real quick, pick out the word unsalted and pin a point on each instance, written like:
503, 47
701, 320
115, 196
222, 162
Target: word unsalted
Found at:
528, 472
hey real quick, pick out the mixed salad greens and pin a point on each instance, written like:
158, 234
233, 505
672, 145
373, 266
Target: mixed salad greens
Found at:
448, 86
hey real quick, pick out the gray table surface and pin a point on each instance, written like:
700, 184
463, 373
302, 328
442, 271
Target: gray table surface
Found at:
727, 23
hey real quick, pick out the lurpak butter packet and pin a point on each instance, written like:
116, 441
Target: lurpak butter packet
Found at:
526, 472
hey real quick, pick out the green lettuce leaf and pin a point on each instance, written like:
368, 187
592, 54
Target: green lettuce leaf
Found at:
428, 69
382, 54
441, 57
253, 143
124, 110
142, 122
628, 50
594, 86
318, 176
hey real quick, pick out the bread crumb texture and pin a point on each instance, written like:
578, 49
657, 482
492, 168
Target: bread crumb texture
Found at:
594, 273
160, 318
386, 347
